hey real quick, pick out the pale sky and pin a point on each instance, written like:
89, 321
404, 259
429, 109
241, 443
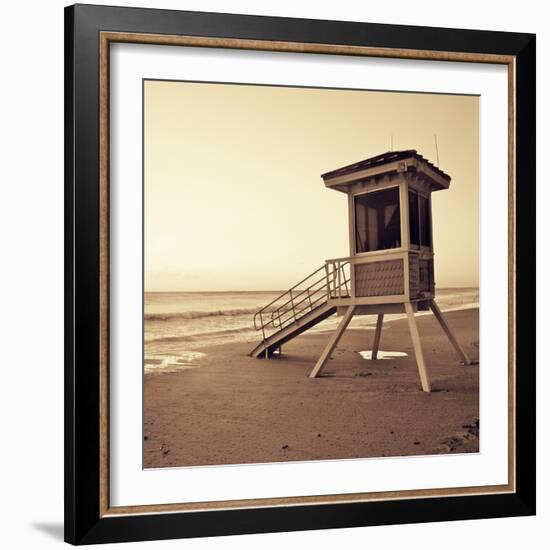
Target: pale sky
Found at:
233, 194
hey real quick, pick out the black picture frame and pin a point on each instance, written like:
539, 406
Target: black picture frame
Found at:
84, 523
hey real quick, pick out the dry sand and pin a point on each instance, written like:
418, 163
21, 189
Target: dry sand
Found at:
235, 409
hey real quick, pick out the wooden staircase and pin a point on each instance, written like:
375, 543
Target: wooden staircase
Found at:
301, 307
268, 346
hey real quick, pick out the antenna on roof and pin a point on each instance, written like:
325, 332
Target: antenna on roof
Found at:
436, 150
391, 143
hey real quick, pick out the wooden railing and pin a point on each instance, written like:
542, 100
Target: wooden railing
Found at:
331, 280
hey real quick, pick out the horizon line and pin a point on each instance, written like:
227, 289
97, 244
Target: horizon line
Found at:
271, 290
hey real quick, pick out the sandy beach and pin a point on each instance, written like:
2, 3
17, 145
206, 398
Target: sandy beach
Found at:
235, 409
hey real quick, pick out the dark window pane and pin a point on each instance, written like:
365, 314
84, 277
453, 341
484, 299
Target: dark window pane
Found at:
413, 217
377, 220
424, 214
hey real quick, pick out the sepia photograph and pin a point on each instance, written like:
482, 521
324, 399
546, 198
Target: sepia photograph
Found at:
310, 274
299, 273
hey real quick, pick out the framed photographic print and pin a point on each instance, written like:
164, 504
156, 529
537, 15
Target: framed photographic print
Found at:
299, 274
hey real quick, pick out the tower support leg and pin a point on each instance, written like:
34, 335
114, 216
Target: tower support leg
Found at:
422, 371
459, 350
332, 343
377, 334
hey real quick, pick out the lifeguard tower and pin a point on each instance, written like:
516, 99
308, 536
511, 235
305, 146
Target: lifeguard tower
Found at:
391, 264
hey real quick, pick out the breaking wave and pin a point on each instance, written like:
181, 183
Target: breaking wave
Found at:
198, 336
198, 314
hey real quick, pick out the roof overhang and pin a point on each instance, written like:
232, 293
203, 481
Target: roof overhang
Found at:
398, 162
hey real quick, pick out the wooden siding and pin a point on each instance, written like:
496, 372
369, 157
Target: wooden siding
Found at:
379, 278
421, 276
414, 276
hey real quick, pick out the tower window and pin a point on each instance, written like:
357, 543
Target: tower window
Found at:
419, 219
414, 226
377, 220
424, 215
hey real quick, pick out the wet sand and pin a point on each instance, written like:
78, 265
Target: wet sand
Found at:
235, 409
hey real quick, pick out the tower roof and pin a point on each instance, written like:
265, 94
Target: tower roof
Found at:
391, 161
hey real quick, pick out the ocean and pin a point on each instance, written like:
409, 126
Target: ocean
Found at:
179, 327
